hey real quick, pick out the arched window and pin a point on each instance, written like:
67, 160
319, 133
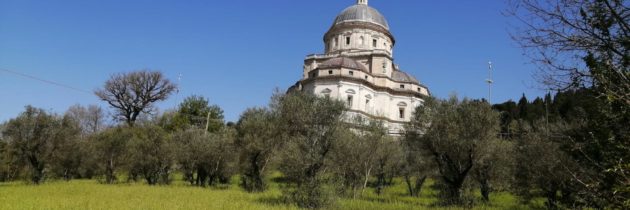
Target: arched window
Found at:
361, 41
350, 98
402, 106
336, 42
349, 101
401, 112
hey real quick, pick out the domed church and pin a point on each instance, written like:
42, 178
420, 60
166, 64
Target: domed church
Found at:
358, 68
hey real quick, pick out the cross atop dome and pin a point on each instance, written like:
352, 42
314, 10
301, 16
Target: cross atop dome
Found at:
364, 2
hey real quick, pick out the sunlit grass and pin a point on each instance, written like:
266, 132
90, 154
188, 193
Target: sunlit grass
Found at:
92, 195
89, 194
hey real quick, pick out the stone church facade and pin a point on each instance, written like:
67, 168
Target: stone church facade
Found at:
358, 68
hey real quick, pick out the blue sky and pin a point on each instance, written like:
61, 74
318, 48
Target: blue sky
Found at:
237, 52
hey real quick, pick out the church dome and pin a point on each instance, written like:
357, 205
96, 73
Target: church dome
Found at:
361, 13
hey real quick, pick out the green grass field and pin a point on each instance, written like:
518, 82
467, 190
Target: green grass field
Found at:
89, 194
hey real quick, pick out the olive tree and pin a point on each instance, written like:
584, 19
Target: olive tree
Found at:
258, 141
357, 155
493, 170
190, 145
543, 176
206, 158
67, 157
312, 125
387, 157
218, 164
34, 137
347, 167
9, 163
455, 134
151, 153
415, 165
110, 147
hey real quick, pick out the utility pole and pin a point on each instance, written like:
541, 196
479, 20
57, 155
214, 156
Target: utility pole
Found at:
547, 110
489, 81
207, 123
179, 81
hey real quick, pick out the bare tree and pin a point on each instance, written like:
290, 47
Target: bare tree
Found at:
578, 42
90, 118
134, 93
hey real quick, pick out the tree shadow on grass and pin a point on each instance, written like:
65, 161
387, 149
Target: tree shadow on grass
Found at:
219, 186
273, 201
280, 180
389, 200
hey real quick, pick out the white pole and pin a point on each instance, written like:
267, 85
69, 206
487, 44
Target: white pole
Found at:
207, 123
489, 81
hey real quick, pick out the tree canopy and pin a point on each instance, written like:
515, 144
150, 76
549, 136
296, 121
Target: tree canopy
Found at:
133, 93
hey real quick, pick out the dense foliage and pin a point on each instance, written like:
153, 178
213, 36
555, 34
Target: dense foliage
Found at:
462, 145
586, 44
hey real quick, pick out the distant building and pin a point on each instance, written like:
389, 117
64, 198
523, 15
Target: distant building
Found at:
358, 68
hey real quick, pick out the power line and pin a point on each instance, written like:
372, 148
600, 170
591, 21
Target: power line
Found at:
45, 81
